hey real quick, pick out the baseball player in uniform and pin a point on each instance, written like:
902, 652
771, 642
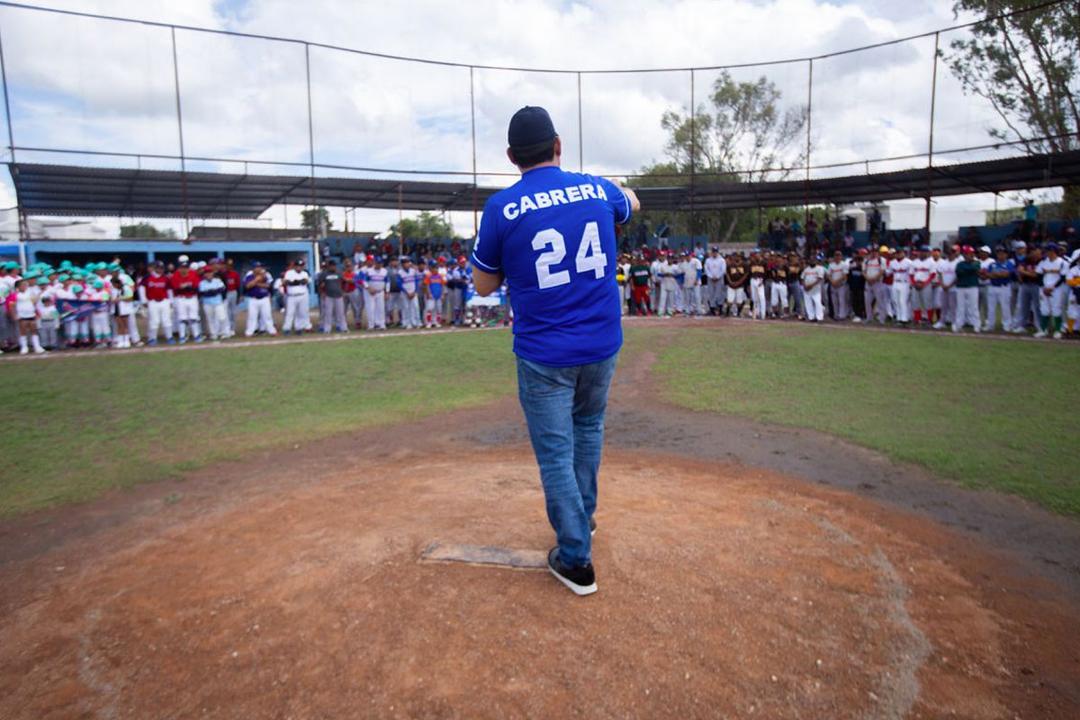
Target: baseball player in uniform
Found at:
353, 295
778, 293
410, 294
656, 278
258, 288
155, 292
1027, 297
332, 298
1073, 281
185, 287
968, 272
715, 268
758, 302
691, 284
1002, 272
737, 279
813, 279
875, 292
945, 288
297, 301
434, 285
456, 282
1052, 271
899, 269
923, 277
669, 287
212, 292
639, 286
839, 293
552, 237
985, 260
375, 286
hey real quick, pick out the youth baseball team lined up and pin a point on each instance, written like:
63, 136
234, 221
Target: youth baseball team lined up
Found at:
95, 305
1010, 287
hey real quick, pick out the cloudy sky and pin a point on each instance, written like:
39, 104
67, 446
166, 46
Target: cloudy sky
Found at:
92, 85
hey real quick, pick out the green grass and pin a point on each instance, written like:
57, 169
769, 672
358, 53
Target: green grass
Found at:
78, 426
989, 414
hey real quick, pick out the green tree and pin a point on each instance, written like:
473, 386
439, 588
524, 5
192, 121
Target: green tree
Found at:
1025, 65
738, 134
317, 220
425, 226
144, 230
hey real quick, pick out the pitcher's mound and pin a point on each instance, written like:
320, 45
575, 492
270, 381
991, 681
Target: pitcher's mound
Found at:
720, 596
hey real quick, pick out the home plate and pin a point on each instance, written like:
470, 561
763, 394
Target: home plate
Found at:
485, 555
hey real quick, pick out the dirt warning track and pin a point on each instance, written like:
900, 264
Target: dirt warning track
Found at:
290, 585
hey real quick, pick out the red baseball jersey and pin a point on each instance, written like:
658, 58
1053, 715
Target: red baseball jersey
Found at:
157, 287
185, 283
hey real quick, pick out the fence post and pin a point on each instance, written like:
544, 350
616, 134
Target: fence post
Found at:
809, 125
472, 120
180, 131
930, 148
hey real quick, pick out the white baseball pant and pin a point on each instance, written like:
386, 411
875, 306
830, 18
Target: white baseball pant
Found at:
779, 297
901, 297
1053, 305
260, 316
757, 298
814, 308
876, 296
967, 309
217, 320
187, 313
297, 313
1000, 297
410, 311
375, 307
160, 312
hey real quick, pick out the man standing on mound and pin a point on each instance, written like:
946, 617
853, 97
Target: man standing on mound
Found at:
552, 237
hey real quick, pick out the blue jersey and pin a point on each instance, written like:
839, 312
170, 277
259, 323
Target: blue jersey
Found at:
552, 235
995, 267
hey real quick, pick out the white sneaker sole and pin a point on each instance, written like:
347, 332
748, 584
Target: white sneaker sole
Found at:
580, 590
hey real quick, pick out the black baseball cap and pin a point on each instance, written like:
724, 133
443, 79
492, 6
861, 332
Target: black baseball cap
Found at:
531, 125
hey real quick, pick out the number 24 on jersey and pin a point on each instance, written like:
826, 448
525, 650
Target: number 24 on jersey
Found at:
590, 256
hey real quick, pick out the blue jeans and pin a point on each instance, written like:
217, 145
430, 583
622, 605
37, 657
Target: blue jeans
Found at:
564, 408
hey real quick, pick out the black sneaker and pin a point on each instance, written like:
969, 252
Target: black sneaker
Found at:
592, 527
581, 580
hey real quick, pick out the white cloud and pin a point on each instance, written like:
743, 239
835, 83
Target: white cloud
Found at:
89, 84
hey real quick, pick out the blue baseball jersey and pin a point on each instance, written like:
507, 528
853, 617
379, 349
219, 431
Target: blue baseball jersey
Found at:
552, 235
1008, 266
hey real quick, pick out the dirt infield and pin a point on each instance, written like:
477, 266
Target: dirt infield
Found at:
289, 585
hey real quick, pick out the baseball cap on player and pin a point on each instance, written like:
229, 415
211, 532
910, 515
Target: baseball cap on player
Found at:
531, 125
985, 249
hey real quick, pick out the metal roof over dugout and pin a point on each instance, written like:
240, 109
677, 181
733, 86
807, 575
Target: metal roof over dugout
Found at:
97, 191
